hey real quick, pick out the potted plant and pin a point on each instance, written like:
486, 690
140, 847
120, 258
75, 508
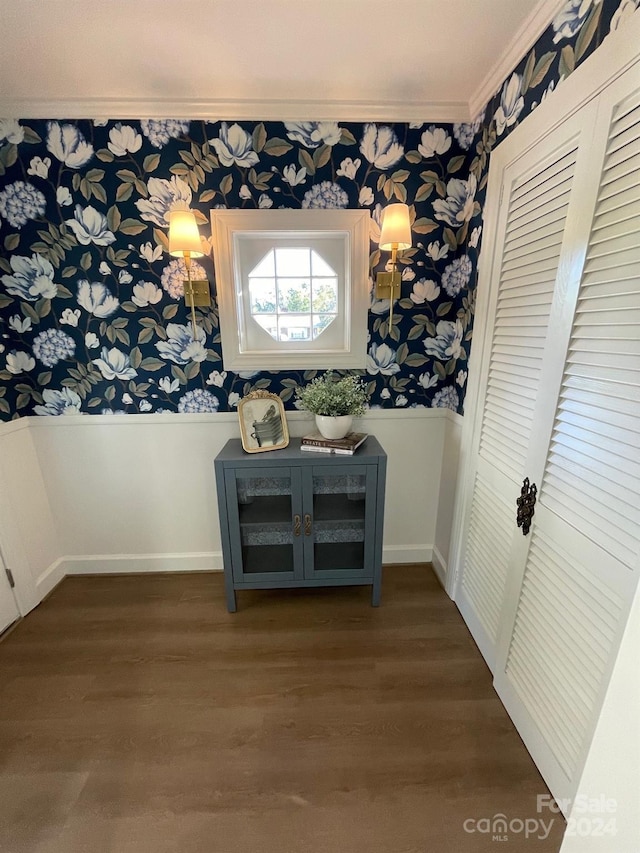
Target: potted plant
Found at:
334, 402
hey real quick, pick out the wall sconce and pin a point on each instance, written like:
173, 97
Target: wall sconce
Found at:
184, 242
395, 235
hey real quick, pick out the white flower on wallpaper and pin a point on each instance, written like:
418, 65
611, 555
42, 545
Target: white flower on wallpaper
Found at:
380, 146
511, 104
457, 208
164, 196
465, 131
32, 278
160, 131
623, 13
20, 202
70, 317
235, 145
115, 364
19, 362
348, 168
312, 134
90, 226
63, 197
68, 145
424, 290
146, 293
97, 299
217, 377
150, 253
325, 195
168, 385
123, 140
180, 346
52, 346
436, 251
39, 168
20, 324
571, 17
474, 239
174, 275
448, 341
456, 275
446, 398
198, 401
366, 197
426, 380
435, 140
11, 130
290, 175
64, 402
381, 358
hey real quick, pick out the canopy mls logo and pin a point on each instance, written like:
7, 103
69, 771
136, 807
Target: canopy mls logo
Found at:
590, 818
499, 827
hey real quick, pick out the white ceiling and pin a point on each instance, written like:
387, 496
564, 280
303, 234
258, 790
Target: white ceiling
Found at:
436, 60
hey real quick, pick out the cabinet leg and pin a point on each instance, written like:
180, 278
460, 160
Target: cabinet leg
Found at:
230, 593
375, 591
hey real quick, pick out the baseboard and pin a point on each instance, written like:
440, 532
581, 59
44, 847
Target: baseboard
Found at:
208, 561
110, 564
439, 566
49, 579
407, 554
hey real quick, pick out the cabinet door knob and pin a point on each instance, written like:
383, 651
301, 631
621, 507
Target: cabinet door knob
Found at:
296, 525
307, 524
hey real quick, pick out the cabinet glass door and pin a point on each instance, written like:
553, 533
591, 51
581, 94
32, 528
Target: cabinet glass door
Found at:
267, 508
339, 521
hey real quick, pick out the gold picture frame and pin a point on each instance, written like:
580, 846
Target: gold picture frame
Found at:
263, 425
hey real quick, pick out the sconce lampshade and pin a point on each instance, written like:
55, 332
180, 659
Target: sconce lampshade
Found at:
183, 234
396, 227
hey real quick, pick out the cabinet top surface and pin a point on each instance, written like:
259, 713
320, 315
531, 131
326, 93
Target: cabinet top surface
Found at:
368, 452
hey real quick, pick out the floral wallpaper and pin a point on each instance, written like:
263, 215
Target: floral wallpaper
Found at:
92, 318
576, 31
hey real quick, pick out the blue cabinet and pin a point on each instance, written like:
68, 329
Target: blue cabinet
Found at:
294, 518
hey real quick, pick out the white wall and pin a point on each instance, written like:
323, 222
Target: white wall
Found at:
28, 530
137, 493
447, 494
612, 769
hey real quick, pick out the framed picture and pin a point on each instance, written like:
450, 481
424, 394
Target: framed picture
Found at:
263, 425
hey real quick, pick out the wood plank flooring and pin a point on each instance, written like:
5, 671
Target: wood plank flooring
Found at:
138, 716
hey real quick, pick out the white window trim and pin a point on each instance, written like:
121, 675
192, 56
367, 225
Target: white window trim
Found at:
226, 225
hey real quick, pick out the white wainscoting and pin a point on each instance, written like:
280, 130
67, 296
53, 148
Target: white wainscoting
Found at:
136, 493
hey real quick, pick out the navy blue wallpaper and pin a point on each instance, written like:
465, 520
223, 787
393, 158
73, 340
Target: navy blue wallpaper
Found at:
573, 35
91, 312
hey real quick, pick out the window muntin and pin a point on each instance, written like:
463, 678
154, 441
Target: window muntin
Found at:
293, 293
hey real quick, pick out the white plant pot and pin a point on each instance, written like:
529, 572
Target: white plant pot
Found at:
333, 428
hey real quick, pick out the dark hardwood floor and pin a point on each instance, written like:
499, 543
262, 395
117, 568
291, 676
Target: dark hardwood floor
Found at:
137, 715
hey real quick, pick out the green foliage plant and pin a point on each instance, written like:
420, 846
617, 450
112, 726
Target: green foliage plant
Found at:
334, 397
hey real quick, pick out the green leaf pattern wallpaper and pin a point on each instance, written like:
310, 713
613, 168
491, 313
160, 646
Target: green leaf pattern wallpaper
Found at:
92, 319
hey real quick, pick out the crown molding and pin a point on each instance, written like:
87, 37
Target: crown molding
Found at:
238, 110
530, 31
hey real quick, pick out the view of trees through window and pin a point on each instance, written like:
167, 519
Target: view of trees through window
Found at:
294, 294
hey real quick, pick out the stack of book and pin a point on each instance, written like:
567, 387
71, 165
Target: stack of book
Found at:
348, 445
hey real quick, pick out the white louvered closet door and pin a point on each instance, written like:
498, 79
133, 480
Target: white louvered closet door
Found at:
572, 580
536, 194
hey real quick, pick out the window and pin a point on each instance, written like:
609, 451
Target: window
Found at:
292, 287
